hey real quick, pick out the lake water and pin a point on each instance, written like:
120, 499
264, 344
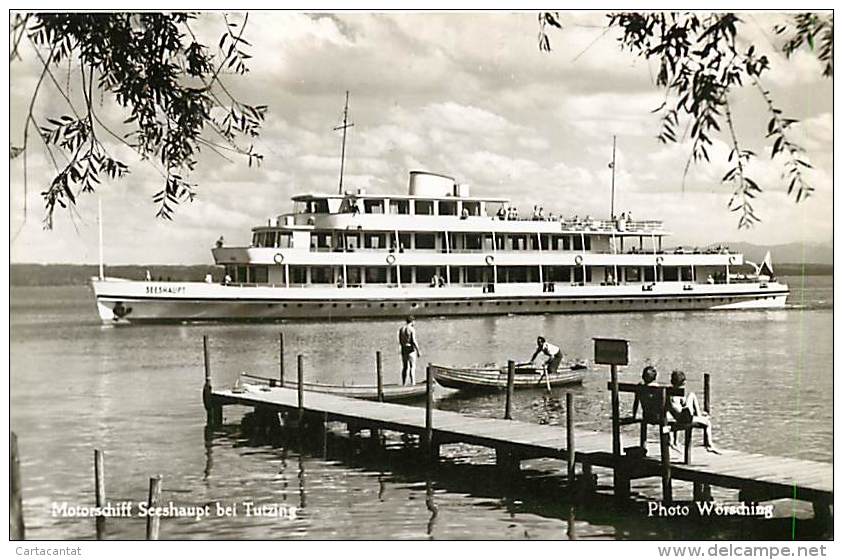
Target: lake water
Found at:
135, 392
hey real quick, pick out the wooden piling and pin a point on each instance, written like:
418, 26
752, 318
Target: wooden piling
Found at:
379, 368
153, 522
17, 532
616, 414
212, 409
569, 424
664, 443
510, 387
281, 358
99, 490
428, 413
707, 392
300, 388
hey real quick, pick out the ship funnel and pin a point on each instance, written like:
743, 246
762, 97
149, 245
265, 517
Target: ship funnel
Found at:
423, 183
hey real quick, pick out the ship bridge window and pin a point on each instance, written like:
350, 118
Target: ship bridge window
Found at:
425, 241
399, 206
322, 275
376, 275
373, 206
424, 207
259, 274
518, 242
321, 241
374, 240
298, 275
447, 207
472, 207
473, 241
424, 274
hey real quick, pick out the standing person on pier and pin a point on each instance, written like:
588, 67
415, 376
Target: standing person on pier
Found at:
409, 351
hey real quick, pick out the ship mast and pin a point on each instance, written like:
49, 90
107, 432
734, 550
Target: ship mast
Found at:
612, 165
344, 127
99, 227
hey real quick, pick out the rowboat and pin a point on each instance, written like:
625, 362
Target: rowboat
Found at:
391, 392
492, 377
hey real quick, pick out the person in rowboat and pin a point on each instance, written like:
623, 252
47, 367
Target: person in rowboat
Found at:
553, 352
409, 351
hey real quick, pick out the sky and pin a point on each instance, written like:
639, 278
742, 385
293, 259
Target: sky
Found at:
465, 94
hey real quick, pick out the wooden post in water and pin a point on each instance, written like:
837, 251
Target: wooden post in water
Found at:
664, 443
569, 424
300, 388
702, 490
17, 531
428, 414
99, 490
616, 415
153, 522
510, 387
213, 412
379, 367
281, 358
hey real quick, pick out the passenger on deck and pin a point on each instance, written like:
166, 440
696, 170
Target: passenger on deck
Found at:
553, 352
541, 214
687, 410
441, 282
464, 215
501, 213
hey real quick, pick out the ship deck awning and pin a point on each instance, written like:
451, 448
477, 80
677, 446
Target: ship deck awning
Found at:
307, 197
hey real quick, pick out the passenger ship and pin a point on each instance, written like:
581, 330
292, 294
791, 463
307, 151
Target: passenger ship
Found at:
440, 251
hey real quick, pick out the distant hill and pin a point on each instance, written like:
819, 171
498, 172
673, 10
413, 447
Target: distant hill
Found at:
814, 253
79, 275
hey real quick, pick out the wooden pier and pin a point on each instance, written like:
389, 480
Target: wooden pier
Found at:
757, 477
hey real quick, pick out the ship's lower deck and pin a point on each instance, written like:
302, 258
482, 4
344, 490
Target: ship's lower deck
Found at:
122, 301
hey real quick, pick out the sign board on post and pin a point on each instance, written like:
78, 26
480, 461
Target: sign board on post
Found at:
611, 351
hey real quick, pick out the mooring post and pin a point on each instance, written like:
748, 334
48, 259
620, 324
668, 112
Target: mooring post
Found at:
153, 522
428, 414
707, 392
510, 387
281, 358
17, 531
703, 494
616, 414
379, 368
664, 443
300, 388
99, 490
569, 424
207, 395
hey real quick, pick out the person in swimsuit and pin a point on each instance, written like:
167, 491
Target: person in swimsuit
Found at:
687, 410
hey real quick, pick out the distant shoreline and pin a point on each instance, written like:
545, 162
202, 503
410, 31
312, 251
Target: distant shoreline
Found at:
79, 275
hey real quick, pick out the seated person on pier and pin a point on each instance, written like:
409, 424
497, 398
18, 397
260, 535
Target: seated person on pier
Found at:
551, 350
648, 401
687, 410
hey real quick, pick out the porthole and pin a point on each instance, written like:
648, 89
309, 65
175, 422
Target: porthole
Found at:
333, 305
383, 304
298, 305
438, 304
348, 305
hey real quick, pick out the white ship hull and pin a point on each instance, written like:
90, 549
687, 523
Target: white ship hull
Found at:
121, 301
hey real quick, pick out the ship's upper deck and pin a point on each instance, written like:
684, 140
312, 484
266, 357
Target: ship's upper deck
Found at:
435, 203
